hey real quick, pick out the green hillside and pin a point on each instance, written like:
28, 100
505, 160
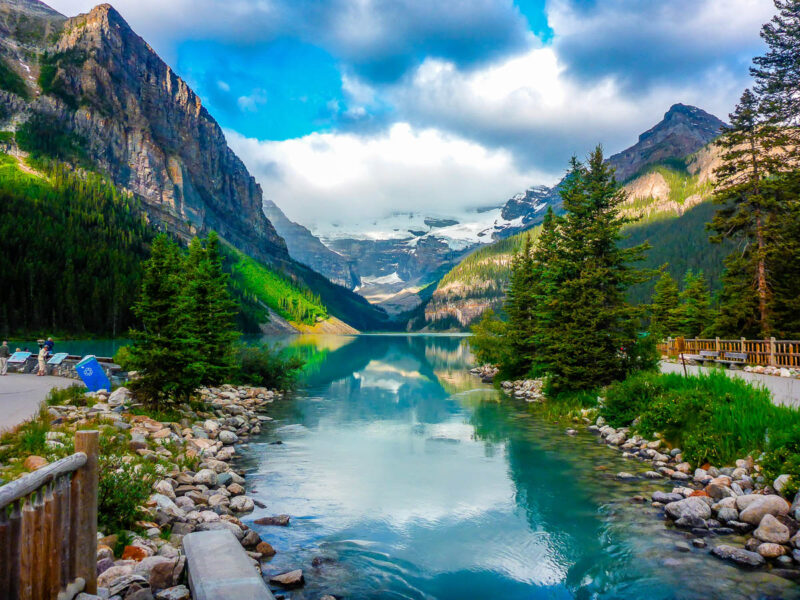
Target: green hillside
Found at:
259, 285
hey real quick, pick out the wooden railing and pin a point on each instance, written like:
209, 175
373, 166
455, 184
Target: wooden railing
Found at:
771, 352
48, 527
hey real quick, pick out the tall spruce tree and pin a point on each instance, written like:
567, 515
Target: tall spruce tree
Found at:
593, 335
212, 309
664, 305
750, 207
737, 314
694, 314
165, 349
519, 309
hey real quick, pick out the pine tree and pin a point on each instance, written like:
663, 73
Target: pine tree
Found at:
737, 314
212, 309
777, 77
664, 306
593, 335
694, 314
165, 349
519, 308
749, 204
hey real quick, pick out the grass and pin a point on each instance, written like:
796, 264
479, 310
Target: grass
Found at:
255, 280
712, 418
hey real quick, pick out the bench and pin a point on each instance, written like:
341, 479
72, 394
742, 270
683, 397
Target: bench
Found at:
733, 358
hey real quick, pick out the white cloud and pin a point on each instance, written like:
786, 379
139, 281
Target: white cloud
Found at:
336, 177
252, 102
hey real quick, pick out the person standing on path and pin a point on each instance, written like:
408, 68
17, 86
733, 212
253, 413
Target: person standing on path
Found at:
42, 360
5, 354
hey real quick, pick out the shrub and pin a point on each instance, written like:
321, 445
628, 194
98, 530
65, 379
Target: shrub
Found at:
783, 457
122, 489
267, 367
625, 400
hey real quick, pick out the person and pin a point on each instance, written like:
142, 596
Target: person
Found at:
42, 360
5, 354
50, 344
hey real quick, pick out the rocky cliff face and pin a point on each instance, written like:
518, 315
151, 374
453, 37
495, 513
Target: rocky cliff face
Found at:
305, 247
146, 128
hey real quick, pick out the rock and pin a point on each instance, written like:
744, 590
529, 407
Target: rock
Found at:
653, 475
292, 579
772, 531
755, 510
242, 504
280, 520
739, 527
699, 543
206, 477
625, 476
796, 506
695, 506
251, 539
222, 525
137, 553
682, 547
738, 556
691, 522
265, 549
727, 514
140, 594
34, 462
119, 397
103, 565
179, 592
666, 498
104, 551
165, 487
227, 437
235, 489
771, 550
158, 570
167, 507
781, 482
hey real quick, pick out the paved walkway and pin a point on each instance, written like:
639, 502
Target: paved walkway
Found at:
21, 395
785, 390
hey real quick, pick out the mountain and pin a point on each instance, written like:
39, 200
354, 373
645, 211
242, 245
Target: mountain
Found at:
89, 92
306, 248
670, 180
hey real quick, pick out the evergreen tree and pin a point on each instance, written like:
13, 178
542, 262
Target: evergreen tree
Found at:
664, 306
519, 308
593, 331
694, 314
165, 350
737, 315
212, 310
777, 77
749, 204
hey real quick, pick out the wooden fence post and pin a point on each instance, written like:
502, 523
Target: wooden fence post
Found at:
742, 346
86, 479
716, 344
772, 351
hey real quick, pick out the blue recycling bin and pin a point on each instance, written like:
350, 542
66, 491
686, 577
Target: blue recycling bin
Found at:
92, 374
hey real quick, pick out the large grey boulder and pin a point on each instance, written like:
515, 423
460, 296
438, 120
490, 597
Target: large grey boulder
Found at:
738, 555
765, 505
694, 506
772, 530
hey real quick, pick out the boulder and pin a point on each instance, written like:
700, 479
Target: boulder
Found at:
205, 477
265, 549
727, 514
167, 507
694, 506
772, 531
280, 520
242, 504
738, 555
227, 437
781, 482
291, 579
34, 462
765, 505
119, 397
159, 571
179, 592
771, 550
666, 498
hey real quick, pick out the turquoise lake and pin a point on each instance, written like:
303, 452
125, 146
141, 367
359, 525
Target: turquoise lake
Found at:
406, 477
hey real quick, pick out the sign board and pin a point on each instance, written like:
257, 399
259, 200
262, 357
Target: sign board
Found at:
92, 374
19, 357
58, 358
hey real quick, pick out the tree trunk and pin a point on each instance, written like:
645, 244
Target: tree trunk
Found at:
761, 278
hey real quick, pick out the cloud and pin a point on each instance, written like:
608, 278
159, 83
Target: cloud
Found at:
642, 44
380, 39
529, 105
339, 177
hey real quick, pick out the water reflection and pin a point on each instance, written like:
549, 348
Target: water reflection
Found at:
407, 478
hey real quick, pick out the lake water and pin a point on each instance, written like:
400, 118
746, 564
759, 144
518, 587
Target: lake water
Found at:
405, 477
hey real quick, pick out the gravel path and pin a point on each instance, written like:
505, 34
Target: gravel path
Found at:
785, 390
20, 396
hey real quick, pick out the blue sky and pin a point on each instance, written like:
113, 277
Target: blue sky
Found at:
360, 108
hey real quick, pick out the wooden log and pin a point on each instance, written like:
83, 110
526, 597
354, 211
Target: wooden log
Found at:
37, 542
88, 442
15, 527
5, 554
52, 549
29, 483
26, 551
64, 505
74, 527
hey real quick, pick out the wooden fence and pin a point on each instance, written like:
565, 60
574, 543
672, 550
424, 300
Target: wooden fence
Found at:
771, 352
48, 527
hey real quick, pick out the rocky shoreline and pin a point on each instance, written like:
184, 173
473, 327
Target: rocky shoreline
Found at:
732, 512
211, 496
